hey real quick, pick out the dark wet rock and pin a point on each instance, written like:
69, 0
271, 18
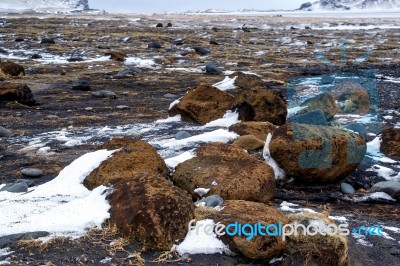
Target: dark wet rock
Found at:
73, 59
32, 172
6, 241
327, 79
391, 188
247, 81
20, 187
19, 39
214, 42
82, 85
314, 117
117, 56
213, 69
347, 189
5, 133
47, 41
246, 212
135, 157
225, 175
245, 110
11, 69
182, 135
323, 102
359, 129
103, 47
203, 104
75, 39
201, 50
317, 154
36, 56
258, 129
17, 92
210, 201
128, 72
169, 25
154, 45
249, 143
104, 94
159, 25
268, 106
391, 142
148, 209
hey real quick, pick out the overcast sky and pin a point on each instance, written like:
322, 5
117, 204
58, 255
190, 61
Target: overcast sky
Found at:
152, 6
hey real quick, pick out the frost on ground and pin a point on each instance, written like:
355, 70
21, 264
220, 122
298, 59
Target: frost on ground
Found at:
200, 241
62, 207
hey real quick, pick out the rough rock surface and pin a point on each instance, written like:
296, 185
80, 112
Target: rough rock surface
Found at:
135, 157
317, 154
11, 69
323, 102
391, 142
249, 143
258, 129
230, 177
148, 209
245, 212
17, 92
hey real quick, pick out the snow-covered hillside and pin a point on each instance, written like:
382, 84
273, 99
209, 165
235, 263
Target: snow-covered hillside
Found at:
43, 5
350, 5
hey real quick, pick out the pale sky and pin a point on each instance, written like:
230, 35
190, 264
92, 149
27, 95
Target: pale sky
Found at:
160, 6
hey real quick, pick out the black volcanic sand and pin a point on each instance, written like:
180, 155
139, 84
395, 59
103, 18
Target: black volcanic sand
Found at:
145, 94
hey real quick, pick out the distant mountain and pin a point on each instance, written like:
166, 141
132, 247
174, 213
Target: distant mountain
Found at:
350, 4
52, 6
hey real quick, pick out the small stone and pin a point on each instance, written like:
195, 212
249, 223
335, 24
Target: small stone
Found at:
182, 135
89, 108
127, 40
104, 94
36, 56
128, 72
201, 51
159, 25
214, 42
5, 133
32, 172
213, 69
30, 183
169, 95
82, 85
16, 188
211, 201
154, 45
47, 41
347, 189
249, 143
169, 25
391, 188
75, 59
52, 117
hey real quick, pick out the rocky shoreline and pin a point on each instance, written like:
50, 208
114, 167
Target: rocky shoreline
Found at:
71, 84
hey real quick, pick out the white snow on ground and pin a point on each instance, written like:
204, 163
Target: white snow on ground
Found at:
5, 252
219, 135
174, 103
227, 84
361, 240
373, 151
385, 172
174, 161
201, 191
197, 241
279, 172
230, 118
185, 69
172, 119
375, 196
62, 207
139, 62
389, 79
287, 207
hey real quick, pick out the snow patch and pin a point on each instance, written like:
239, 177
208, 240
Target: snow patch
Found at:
172, 119
279, 172
227, 84
230, 118
173, 162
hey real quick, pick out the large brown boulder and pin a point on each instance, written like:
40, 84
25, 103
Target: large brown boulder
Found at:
203, 104
355, 102
258, 129
245, 212
11, 69
135, 157
267, 106
391, 142
148, 209
317, 154
17, 92
247, 81
241, 178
